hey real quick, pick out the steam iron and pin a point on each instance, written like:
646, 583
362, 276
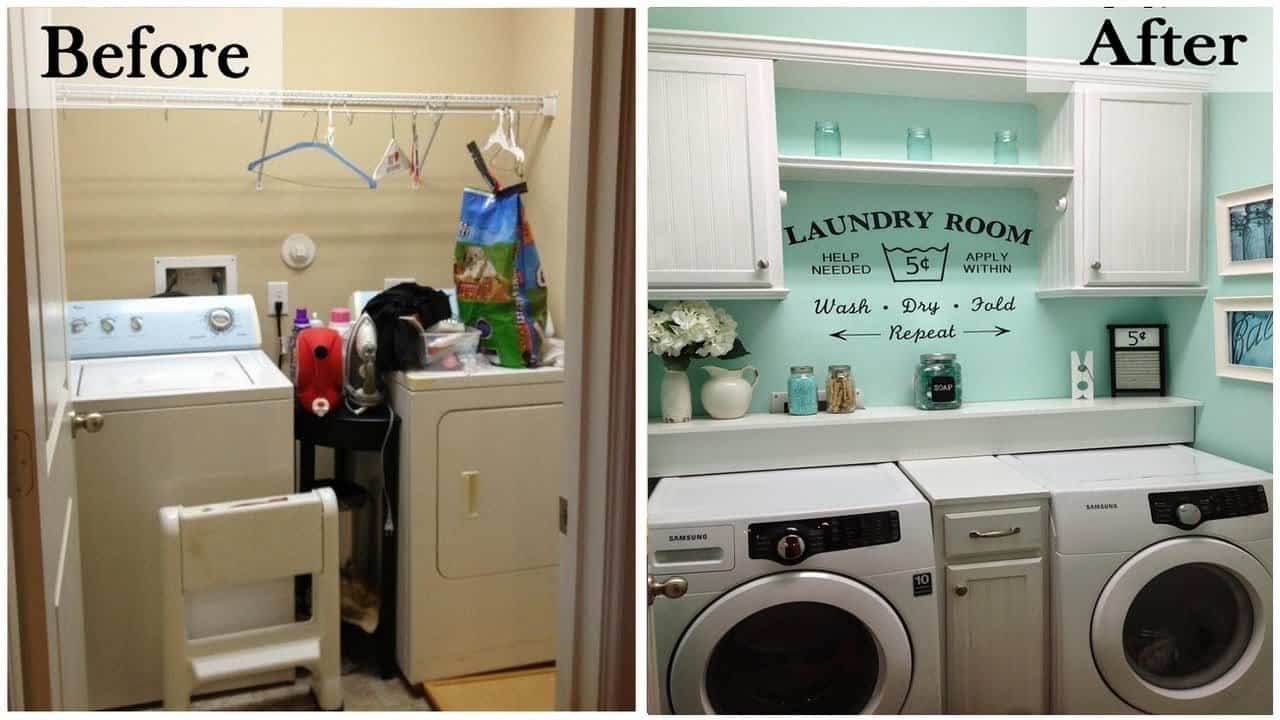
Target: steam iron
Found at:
361, 382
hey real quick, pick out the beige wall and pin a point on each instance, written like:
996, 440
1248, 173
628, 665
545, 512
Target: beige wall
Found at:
136, 186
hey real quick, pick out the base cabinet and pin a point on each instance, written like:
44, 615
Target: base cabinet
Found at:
995, 637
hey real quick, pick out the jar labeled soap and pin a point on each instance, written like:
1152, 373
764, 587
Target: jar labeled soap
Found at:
938, 382
802, 391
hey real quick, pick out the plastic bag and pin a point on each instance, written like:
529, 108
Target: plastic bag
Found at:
500, 286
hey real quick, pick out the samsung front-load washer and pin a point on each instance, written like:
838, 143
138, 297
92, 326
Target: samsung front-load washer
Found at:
805, 591
1161, 581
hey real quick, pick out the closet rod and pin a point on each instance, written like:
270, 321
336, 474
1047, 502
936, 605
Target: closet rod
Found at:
162, 98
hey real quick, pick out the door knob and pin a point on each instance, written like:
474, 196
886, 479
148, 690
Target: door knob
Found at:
962, 590
1097, 265
92, 422
672, 588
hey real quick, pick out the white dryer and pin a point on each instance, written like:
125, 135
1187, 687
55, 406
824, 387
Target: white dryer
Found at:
805, 591
1161, 581
192, 412
479, 546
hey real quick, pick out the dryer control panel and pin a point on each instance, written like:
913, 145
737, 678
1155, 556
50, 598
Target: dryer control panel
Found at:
1187, 509
790, 542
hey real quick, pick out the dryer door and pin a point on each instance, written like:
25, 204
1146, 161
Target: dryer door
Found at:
793, 643
1184, 626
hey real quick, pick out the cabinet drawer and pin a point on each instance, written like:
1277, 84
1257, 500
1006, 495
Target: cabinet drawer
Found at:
989, 532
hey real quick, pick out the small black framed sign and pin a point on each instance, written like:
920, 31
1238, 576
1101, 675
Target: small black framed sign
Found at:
1138, 364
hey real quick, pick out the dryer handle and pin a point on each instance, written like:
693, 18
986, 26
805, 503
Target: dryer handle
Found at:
672, 588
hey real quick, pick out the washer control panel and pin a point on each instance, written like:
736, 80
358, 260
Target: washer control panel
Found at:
790, 542
1187, 509
160, 326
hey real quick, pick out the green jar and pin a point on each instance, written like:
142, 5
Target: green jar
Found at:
938, 382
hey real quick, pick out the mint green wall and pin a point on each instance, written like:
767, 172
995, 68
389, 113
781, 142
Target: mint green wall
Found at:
994, 30
1236, 419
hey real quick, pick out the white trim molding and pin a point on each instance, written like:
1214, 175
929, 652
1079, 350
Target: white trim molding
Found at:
1042, 72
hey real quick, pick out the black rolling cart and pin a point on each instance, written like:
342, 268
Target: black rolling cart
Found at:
375, 430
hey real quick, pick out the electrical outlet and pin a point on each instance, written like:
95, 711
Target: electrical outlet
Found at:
277, 292
393, 281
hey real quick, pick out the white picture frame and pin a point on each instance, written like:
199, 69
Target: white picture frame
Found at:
1223, 309
1222, 224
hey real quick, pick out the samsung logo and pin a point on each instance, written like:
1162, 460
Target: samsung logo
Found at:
687, 538
1101, 506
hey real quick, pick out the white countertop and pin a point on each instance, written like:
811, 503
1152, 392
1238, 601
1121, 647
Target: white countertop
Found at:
485, 376
774, 441
959, 480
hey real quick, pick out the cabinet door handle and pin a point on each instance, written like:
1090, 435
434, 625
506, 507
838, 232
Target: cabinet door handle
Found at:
961, 590
994, 533
1097, 265
762, 264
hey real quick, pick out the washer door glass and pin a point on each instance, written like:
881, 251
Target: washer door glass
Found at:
1188, 626
1183, 626
791, 659
795, 642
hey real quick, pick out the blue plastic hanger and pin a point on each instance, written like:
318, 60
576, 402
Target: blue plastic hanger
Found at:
324, 146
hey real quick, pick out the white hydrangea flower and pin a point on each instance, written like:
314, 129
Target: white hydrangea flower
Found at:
692, 325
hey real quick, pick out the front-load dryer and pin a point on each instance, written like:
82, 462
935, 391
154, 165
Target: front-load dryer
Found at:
804, 591
1161, 581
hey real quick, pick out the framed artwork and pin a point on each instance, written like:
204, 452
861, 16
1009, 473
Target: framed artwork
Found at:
1243, 344
1243, 222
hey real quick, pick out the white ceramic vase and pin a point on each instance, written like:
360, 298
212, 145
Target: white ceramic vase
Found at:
677, 400
727, 393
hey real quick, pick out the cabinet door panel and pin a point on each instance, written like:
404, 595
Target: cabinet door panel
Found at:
996, 637
1142, 187
713, 175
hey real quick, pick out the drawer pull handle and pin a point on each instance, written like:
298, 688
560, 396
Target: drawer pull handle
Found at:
994, 533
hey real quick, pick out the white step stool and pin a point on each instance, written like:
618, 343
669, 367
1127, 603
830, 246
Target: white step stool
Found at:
250, 541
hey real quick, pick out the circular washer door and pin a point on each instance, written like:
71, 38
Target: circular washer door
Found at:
1182, 625
793, 643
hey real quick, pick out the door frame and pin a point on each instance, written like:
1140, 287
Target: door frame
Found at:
596, 617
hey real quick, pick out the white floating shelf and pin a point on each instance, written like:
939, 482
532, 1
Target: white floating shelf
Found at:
1123, 291
765, 441
915, 172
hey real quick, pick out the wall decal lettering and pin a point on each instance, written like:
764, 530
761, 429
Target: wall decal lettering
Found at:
850, 223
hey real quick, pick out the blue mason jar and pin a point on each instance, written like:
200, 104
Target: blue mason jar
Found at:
802, 391
826, 138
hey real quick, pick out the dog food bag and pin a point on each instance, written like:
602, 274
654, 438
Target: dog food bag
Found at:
500, 286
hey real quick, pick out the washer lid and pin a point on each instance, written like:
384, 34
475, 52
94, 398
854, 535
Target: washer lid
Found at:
793, 643
165, 380
1184, 626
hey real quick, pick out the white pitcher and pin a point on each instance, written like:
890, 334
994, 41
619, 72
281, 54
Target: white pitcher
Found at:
727, 394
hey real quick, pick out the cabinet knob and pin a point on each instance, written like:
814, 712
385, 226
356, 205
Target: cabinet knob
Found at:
1097, 265
762, 264
782, 197
1062, 204
962, 590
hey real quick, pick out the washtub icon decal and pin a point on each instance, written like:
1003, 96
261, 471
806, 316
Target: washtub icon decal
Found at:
926, 264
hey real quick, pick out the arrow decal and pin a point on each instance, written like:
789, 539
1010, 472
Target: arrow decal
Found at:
843, 334
998, 331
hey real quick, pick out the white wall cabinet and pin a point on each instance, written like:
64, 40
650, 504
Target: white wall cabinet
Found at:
995, 651
1130, 225
1141, 193
714, 215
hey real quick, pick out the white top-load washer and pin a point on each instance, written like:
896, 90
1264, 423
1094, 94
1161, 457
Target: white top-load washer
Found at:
808, 591
479, 545
193, 412
1161, 581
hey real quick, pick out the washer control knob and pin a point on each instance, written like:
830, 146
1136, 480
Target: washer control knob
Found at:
1189, 514
107, 324
135, 322
78, 325
790, 547
220, 319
